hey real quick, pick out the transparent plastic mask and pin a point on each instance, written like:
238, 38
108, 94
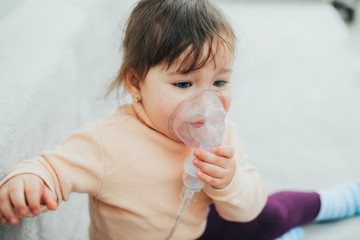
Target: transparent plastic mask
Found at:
199, 120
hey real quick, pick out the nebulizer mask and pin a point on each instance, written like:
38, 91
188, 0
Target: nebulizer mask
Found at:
199, 122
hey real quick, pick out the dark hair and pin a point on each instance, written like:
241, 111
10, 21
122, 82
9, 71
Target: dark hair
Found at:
159, 31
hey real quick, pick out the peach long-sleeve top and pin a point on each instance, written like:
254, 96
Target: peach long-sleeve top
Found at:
133, 176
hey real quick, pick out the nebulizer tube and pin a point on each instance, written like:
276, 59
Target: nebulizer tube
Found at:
199, 122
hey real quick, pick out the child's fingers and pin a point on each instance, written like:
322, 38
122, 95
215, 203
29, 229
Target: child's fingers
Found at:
6, 209
209, 169
49, 198
2, 199
16, 192
3, 220
33, 191
214, 182
224, 151
208, 157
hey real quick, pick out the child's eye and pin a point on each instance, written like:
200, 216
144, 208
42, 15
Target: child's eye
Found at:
219, 83
182, 84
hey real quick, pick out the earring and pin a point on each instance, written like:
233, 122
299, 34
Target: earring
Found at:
137, 98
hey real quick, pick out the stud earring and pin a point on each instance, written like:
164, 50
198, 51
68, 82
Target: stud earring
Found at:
137, 98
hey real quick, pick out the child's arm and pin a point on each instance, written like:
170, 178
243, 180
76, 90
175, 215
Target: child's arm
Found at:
234, 185
22, 192
75, 165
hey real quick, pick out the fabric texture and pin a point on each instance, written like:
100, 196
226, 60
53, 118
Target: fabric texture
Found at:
294, 234
133, 175
283, 211
339, 202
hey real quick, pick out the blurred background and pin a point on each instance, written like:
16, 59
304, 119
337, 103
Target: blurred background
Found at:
296, 97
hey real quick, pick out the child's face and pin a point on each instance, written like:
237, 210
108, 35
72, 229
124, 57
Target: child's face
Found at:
163, 89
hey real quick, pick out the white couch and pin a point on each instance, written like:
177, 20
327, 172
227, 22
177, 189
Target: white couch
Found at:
56, 58
296, 107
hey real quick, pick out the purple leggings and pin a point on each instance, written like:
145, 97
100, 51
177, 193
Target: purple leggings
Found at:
282, 212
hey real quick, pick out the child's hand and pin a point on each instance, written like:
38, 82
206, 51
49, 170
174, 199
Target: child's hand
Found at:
22, 192
217, 167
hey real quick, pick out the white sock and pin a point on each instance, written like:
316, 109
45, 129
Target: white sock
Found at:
296, 233
339, 202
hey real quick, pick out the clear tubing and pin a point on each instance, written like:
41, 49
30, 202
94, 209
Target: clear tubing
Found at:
178, 219
186, 196
199, 122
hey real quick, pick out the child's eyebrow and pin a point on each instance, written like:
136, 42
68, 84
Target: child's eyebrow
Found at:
222, 71
176, 73
226, 70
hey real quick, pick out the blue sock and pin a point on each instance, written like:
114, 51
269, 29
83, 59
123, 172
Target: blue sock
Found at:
339, 202
296, 233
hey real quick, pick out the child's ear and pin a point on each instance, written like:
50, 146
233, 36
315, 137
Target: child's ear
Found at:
132, 83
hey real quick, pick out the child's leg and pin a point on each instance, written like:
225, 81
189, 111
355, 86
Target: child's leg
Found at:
286, 210
339, 202
283, 211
